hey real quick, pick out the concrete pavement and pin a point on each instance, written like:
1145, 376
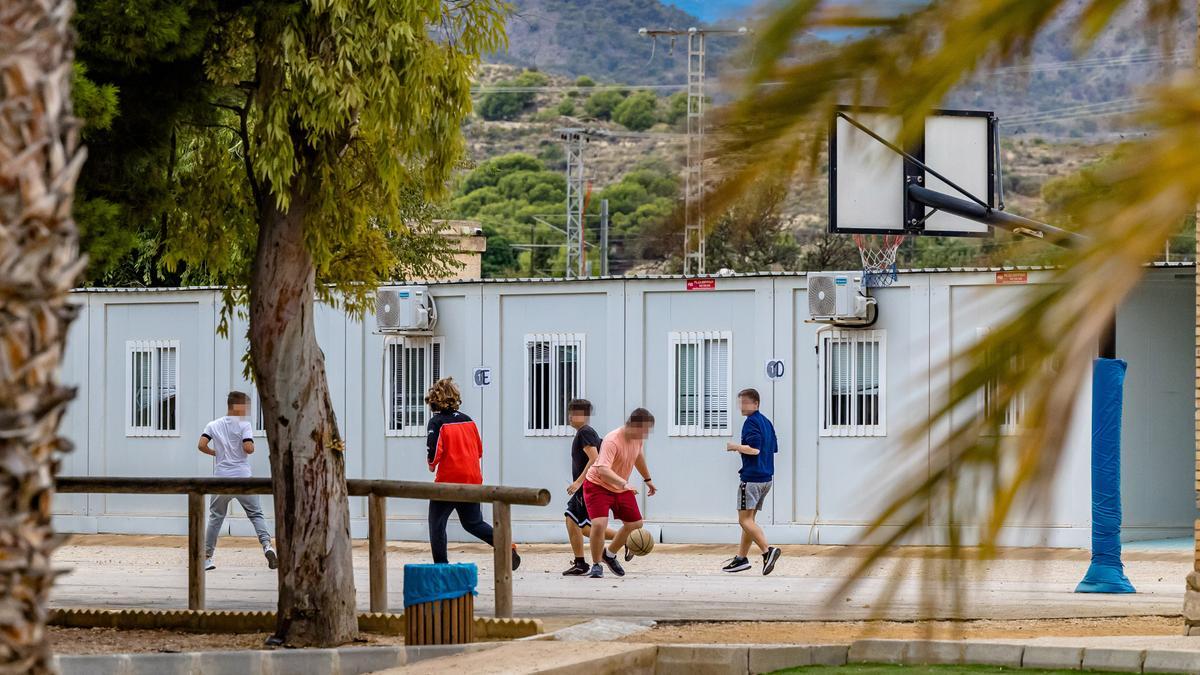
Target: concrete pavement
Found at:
675, 582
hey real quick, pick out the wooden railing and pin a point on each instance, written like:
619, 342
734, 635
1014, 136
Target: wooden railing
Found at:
376, 491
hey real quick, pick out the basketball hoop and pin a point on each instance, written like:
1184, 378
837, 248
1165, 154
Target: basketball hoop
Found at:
878, 253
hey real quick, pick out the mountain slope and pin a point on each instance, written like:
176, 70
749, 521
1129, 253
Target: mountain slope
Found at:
600, 38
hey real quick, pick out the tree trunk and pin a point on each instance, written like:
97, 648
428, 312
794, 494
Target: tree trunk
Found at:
39, 263
1191, 593
312, 518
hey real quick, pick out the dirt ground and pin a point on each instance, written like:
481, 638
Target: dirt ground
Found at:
841, 632
114, 641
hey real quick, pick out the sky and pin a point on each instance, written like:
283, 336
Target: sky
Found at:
712, 10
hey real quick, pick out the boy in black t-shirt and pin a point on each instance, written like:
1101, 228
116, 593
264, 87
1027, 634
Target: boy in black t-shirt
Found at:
584, 450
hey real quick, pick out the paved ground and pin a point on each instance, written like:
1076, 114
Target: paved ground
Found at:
674, 582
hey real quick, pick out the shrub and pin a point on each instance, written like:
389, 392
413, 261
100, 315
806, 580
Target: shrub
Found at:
637, 112
602, 103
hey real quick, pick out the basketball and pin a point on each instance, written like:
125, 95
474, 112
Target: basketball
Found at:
640, 542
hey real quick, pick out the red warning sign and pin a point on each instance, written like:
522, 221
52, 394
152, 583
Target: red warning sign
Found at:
701, 284
1012, 277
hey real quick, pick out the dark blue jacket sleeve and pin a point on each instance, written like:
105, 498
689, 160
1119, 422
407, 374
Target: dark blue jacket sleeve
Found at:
752, 434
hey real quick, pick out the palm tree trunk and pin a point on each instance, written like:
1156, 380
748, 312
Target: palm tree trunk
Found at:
39, 263
1191, 596
308, 469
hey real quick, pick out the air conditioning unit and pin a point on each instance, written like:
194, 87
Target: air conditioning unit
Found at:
837, 297
408, 309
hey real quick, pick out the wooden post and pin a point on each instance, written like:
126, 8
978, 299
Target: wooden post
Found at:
502, 540
195, 550
377, 547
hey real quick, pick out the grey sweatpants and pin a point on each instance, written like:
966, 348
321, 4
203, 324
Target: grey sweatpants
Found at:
217, 509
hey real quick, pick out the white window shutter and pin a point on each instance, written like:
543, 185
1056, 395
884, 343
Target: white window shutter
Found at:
554, 375
852, 374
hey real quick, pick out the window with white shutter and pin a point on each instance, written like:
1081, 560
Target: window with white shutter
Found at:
699, 379
853, 382
554, 374
1014, 411
412, 365
151, 387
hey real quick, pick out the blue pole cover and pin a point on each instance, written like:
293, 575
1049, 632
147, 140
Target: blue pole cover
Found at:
1106, 573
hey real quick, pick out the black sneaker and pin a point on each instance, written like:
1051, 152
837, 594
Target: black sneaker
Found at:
628, 554
516, 558
597, 571
769, 559
737, 564
611, 561
272, 558
577, 569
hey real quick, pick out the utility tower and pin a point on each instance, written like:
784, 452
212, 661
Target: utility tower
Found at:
693, 176
574, 140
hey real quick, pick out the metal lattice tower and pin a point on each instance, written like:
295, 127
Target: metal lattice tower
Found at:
693, 176
573, 140
693, 181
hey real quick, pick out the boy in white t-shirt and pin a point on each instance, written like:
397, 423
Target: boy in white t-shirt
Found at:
230, 440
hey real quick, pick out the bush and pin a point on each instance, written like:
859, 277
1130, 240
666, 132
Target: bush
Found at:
507, 105
676, 108
601, 104
552, 155
489, 173
566, 107
584, 81
637, 112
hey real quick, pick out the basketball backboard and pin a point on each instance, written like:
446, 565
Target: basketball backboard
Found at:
868, 180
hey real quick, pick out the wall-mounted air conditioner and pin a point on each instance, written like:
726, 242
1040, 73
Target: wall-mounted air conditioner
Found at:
837, 297
407, 309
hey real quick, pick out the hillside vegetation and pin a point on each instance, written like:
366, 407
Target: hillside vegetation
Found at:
516, 187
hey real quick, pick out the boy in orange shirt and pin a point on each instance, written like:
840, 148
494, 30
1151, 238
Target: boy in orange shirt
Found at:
454, 453
606, 488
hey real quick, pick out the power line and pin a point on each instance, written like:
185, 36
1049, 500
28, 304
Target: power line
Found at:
693, 176
568, 88
1102, 109
1135, 59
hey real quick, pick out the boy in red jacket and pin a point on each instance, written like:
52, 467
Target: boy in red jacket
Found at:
454, 452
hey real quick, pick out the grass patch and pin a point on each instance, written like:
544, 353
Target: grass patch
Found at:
883, 669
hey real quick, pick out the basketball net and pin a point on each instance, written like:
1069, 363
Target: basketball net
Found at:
878, 253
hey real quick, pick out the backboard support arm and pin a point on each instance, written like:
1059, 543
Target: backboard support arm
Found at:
1019, 225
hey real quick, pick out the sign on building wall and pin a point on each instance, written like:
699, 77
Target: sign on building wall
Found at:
482, 377
701, 284
775, 369
1012, 277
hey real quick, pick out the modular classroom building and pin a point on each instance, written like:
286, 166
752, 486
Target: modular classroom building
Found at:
152, 370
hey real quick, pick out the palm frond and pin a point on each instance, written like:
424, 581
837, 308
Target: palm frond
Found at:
974, 480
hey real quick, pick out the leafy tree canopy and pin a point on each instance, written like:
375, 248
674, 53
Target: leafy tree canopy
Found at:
601, 104
638, 112
507, 105
522, 203
177, 176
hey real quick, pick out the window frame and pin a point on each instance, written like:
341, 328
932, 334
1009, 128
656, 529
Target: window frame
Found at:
404, 342
553, 393
257, 421
699, 339
854, 337
154, 426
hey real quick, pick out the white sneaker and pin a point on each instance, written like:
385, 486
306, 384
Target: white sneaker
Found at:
208, 564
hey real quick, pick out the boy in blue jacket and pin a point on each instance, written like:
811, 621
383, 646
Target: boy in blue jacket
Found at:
757, 448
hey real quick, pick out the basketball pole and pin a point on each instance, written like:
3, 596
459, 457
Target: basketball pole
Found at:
1106, 574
